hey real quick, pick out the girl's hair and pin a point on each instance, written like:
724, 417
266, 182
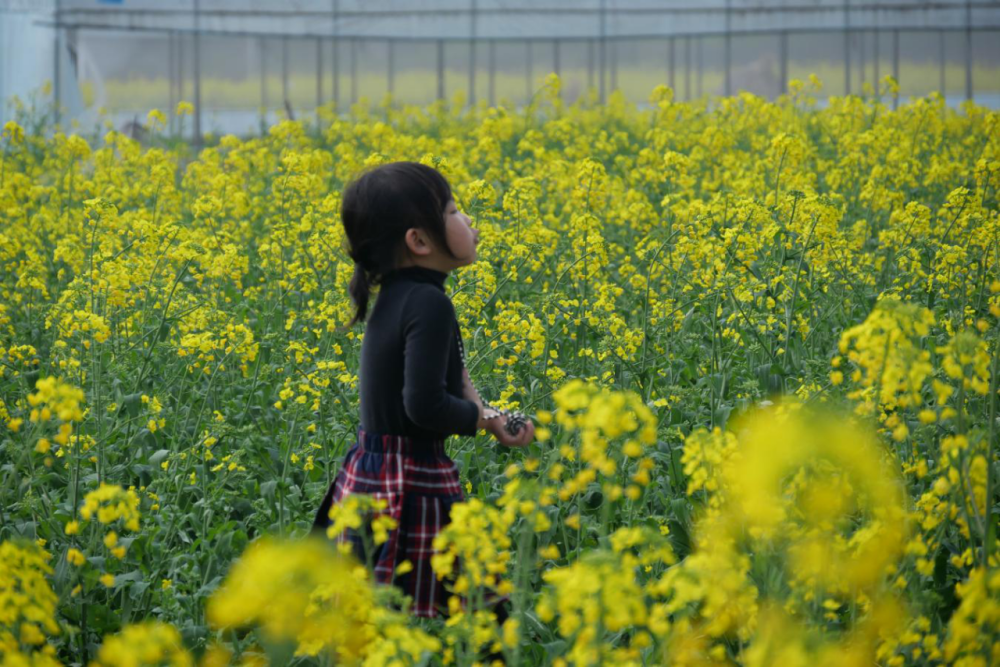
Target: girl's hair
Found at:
377, 209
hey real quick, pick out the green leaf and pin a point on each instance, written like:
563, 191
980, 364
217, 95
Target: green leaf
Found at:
159, 456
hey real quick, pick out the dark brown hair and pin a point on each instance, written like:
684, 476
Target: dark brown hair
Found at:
377, 209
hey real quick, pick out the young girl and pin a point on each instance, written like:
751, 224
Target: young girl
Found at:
406, 234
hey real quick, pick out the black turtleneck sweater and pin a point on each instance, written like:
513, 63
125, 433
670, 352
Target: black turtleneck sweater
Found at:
410, 378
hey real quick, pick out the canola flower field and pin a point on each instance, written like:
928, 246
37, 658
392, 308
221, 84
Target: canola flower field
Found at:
760, 342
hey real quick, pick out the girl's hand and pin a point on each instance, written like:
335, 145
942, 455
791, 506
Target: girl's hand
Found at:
523, 438
496, 424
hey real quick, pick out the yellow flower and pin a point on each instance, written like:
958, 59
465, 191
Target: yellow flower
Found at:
107, 579
303, 592
27, 604
112, 503
551, 551
157, 643
155, 118
13, 132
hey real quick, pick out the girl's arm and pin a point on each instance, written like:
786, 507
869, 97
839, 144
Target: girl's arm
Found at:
428, 326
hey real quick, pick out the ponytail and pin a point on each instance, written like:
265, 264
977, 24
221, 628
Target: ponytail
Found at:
359, 289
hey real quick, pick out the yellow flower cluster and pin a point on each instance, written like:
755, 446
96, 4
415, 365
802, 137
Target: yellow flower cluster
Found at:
974, 628
306, 593
146, 643
357, 510
806, 490
601, 415
597, 594
705, 454
477, 539
109, 503
55, 398
27, 605
12, 132
890, 368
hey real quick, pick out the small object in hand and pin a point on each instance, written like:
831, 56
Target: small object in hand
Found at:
515, 420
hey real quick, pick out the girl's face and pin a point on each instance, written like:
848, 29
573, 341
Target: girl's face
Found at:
462, 237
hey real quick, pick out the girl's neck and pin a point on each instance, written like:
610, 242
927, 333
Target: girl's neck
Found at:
418, 272
428, 262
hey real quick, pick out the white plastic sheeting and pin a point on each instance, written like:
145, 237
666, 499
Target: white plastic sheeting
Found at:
520, 19
27, 58
258, 58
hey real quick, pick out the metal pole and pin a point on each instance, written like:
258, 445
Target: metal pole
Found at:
319, 72
472, 55
529, 57
878, 61
859, 37
56, 63
895, 65
197, 72
440, 68
687, 67
968, 50
180, 66
171, 55
941, 84
600, 52
263, 76
354, 70
335, 49
614, 65
284, 73
699, 62
847, 47
670, 75
783, 60
590, 63
392, 67
727, 53
493, 72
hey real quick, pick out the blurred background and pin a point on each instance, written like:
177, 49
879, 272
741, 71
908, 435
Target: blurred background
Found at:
246, 63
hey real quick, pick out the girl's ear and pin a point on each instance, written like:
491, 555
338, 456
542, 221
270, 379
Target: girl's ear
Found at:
417, 242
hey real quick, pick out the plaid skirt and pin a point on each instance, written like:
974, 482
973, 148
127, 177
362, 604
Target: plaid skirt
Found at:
420, 484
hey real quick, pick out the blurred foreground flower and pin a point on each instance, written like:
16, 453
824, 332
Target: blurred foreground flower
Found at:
307, 593
804, 517
147, 643
27, 605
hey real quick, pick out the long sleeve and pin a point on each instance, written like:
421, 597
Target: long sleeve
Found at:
428, 328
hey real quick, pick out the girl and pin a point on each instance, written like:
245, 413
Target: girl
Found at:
406, 234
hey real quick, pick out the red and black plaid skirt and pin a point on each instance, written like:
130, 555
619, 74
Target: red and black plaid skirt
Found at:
420, 484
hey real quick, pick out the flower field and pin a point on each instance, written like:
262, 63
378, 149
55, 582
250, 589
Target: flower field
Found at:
759, 340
